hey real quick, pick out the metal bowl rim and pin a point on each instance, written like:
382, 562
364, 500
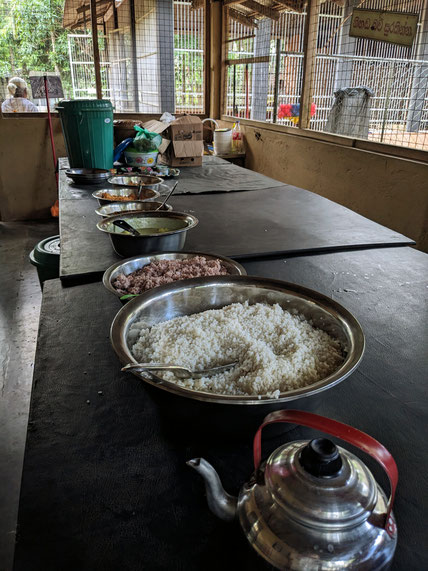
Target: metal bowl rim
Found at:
97, 210
109, 271
150, 214
159, 180
156, 194
345, 370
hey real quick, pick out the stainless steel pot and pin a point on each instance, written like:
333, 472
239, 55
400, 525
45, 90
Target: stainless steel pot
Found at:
124, 207
133, 264
200, 294
127, 245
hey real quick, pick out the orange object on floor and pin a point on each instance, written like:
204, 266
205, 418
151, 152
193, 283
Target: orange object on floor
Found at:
55, 209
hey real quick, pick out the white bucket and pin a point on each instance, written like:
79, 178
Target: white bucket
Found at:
222, 141
136, 159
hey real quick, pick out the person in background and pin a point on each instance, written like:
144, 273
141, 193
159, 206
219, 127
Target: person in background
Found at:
18, 102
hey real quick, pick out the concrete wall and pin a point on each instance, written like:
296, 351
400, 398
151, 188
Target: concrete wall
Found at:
27, 179
391, 191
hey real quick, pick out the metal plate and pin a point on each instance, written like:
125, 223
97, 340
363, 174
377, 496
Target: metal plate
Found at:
133, 264
200, 294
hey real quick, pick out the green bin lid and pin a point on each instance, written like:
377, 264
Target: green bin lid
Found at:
46, 252
77, 105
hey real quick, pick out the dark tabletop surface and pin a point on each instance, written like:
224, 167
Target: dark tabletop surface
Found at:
280, 220
215, 175
105, 485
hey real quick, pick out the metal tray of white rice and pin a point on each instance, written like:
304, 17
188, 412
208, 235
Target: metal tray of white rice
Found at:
289, 341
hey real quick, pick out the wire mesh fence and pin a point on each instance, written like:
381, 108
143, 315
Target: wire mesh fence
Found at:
386, 82
151, 52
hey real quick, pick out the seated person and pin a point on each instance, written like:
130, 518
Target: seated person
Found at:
19, 102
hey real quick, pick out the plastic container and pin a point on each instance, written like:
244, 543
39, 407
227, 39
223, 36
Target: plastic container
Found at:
237, 146
87, 125
45, 256
137, 159
222, 141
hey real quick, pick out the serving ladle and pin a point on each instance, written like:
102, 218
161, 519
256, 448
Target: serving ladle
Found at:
167, 197
180, 372
125, 226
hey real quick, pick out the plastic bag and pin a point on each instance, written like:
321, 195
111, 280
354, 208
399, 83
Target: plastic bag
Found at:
146, 141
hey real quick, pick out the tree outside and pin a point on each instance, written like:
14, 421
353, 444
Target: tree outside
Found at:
32, 39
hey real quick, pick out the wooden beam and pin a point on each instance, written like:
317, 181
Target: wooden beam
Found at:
245, 60
293, 5
242, 18
87, 7
240, 38
228, 2
262, 9
96, 50
309, 50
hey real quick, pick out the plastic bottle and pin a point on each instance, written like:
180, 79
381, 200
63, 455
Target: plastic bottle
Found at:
237, 146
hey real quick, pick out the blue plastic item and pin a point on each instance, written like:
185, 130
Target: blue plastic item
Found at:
120, 148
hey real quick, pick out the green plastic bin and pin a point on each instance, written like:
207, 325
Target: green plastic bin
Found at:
87, 125
45, 257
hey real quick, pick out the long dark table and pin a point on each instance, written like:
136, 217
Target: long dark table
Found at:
279, 220
105, 485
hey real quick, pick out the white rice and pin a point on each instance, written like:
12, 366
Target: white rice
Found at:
276, 351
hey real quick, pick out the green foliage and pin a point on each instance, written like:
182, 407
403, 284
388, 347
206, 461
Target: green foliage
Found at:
189, 71
32, 38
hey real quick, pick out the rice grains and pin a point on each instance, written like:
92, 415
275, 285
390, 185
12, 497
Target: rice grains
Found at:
277, 351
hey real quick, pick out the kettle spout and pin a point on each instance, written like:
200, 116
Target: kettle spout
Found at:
222, 504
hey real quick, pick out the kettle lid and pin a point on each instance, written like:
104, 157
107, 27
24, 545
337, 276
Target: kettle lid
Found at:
320, 484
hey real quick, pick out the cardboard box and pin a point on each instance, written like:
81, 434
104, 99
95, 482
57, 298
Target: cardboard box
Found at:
182, 141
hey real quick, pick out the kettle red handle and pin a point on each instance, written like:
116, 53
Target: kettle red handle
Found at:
347, 433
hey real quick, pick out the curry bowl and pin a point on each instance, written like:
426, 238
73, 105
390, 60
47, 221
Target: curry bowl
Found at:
160, 232
124, 195
123, 207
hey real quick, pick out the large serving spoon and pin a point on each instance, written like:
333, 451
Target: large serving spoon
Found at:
125, 226
180, 372
167, 197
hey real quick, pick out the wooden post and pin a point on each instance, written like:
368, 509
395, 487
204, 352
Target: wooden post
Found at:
309, 50
276, 85
207, 64
216, 59
134, 55
94, 27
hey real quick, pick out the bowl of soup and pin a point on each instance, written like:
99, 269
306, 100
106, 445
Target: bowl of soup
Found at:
158, 232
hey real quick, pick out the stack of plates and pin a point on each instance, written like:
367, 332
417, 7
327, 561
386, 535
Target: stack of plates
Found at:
88, 176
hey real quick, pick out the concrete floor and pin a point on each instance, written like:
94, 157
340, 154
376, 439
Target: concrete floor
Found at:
20, 300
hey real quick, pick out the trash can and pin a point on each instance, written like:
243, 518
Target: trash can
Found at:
45, 256
87, 125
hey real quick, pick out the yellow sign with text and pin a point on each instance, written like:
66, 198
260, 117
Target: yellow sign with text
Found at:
394, 27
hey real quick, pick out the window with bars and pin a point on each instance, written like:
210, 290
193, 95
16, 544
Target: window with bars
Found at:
360, 87
151, 52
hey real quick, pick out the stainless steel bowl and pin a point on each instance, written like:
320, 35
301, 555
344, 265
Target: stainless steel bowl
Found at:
196, 295
134, 180
127, 245
88, 176
128, 266
119, 207
146, 194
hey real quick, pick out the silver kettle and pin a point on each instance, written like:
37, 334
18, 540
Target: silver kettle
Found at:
313, 505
